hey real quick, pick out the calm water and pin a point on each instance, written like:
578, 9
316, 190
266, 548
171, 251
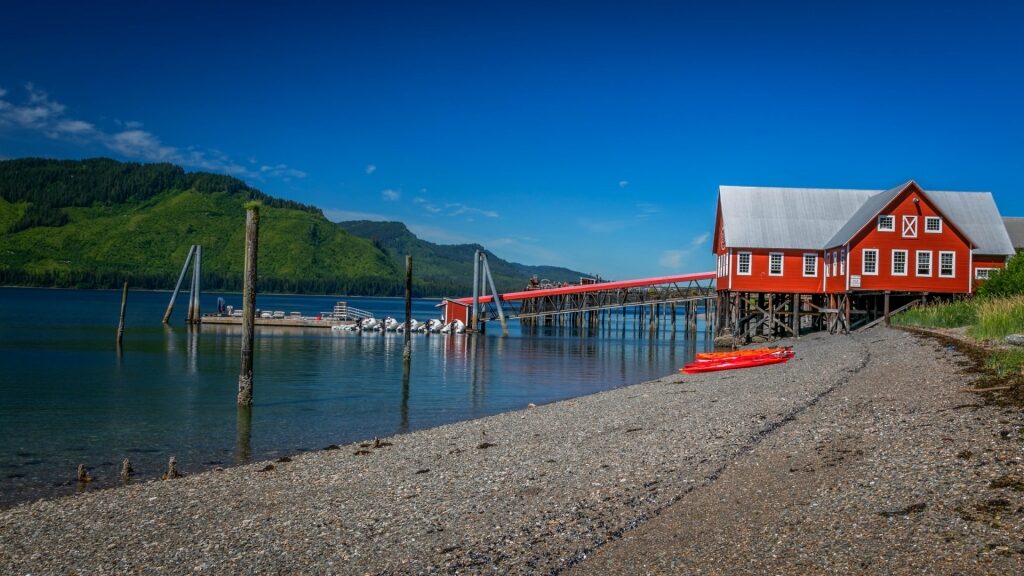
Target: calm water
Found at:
67, 397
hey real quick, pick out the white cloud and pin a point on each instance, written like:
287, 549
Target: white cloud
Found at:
39, 113
74, 127
623, 183
141, 144
282, 171
390, 195
338, 215
678, 258
672, 259
437, 234
458, 209
371, 168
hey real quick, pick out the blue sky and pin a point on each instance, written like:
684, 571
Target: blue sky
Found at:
590, 135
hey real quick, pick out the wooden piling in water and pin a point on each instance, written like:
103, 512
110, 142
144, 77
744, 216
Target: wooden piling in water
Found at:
124, 306
407, 351
177, 287
252, 226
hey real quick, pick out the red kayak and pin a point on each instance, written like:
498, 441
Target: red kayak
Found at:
738, 362
743, 355
709, 356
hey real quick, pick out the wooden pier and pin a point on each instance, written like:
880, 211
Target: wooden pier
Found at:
655, 306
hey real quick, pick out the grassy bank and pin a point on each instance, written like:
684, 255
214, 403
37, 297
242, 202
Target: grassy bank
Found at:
986, 319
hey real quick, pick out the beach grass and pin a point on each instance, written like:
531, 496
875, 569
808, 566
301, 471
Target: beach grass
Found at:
1006, 363
950, 315
998, 317
985, 318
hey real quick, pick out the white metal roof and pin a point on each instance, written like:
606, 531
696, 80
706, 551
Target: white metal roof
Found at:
1015, 228
820, 218
756, 217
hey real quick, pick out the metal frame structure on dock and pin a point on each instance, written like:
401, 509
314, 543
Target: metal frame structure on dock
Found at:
654, 302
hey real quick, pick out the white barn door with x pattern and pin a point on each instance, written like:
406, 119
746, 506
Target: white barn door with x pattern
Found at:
910, 226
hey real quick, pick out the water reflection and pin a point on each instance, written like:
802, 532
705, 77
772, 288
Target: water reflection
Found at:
173, 390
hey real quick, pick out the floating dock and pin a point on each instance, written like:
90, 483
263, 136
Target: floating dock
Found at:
301, 322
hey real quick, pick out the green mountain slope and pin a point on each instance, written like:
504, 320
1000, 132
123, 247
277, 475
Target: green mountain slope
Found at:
99, 222
143, 238
450, 266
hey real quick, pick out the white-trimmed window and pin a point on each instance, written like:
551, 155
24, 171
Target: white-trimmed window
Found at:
933, 224
947, 264
842, 262
899, 262
743, 264
924, 262
835, 261
910, 226
775, 263
887, 223
810, 265
869, 262
983, 273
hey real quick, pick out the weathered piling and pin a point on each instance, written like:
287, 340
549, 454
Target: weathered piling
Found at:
194, 313
407, 351
252, 225
172, 470
126, 471
83, 475
243, 435
177, 287
124, 306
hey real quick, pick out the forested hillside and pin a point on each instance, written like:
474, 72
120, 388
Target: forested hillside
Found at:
96, 223
450, 265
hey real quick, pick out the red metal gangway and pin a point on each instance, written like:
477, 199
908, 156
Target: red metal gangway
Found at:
587, 297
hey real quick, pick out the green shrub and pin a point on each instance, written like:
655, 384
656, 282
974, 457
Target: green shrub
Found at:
1006, 282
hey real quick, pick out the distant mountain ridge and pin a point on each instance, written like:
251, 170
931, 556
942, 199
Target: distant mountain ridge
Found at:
436, 263
96, 223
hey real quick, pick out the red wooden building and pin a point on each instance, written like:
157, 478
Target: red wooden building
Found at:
838, 257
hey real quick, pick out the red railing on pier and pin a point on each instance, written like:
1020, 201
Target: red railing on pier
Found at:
597, 287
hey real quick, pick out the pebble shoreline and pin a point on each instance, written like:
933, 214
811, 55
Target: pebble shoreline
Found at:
541, 490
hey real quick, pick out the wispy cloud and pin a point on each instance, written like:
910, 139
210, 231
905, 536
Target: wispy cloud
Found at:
390, 195
371, 168
338, 215
458, 209
623, 183
437, 234
671, 259
677, 259
282, 171
40, 113
648, 208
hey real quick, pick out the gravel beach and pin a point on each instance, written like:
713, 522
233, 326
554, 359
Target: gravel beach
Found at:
858, 456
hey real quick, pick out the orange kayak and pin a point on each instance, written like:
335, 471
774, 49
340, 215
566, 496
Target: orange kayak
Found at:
733, 363
738, 353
